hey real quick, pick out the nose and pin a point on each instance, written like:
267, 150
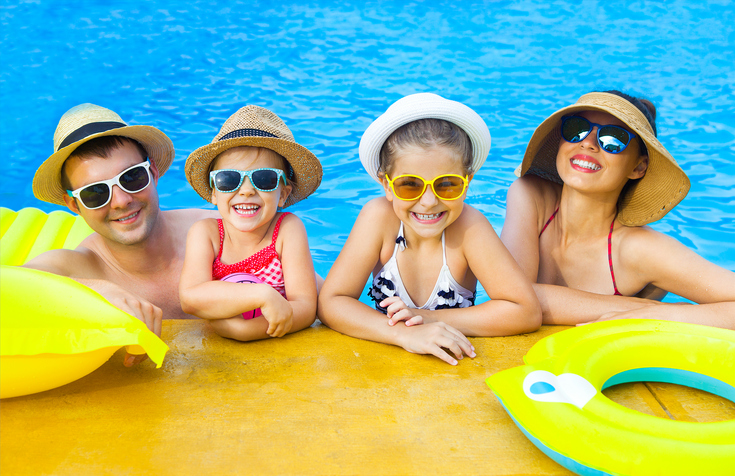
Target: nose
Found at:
591, 140
429, 198
120, 198
246, 188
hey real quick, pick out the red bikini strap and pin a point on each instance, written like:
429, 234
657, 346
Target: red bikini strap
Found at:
221, 236
609, 258
278, 227
548, 221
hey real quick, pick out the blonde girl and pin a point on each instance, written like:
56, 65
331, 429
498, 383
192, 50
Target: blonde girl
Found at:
426, 248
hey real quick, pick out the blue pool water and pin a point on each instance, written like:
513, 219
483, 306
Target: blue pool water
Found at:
330, 68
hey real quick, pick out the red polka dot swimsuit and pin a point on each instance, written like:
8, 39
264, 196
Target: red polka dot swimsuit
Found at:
265, 264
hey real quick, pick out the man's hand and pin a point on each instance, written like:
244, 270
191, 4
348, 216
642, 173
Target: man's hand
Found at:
134, 305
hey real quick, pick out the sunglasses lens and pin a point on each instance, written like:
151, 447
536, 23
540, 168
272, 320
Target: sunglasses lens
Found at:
95, 196
227, 180
448, 187
408, 187
266, 180
135, 180
613, 139
575, 129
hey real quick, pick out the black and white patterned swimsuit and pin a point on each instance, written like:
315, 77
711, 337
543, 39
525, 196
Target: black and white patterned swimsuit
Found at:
447, 293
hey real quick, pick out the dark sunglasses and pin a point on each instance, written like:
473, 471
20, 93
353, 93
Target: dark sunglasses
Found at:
96, 195
230, 180
612, 139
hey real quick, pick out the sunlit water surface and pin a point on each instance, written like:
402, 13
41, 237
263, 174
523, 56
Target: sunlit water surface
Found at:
330, 68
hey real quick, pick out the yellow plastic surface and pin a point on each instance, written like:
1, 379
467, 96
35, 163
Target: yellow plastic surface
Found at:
53, 330
633, 442
311, 403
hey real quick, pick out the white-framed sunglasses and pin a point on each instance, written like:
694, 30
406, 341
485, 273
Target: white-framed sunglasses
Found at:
132, 180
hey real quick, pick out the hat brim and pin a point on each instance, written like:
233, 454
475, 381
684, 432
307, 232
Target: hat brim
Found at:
662, 187
306, 167
423, 106
47, 180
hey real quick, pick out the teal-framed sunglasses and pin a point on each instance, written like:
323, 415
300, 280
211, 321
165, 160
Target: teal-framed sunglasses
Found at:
230, 180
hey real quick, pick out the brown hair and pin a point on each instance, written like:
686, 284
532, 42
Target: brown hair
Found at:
99, 147
427, 133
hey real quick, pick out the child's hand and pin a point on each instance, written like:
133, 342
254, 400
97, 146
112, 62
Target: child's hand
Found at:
279, 314
434, 338
398, 311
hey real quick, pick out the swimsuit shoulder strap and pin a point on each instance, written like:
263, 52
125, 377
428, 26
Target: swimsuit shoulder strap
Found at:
549, 221
221, 237
278, 227
609, 258
444, 250
399, 239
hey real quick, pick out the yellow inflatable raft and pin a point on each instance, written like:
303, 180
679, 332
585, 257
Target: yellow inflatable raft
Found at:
54, 330
556, 398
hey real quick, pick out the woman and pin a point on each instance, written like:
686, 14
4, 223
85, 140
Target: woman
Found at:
593, 176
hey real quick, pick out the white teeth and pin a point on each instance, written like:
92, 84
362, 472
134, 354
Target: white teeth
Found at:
585, 164
127, 217
433, 216
246, 207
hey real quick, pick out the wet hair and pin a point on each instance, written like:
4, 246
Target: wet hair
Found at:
427, 133
285, 166
646, 107
99, 147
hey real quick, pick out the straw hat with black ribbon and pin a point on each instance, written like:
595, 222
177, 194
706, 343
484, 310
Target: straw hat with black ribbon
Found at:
83, 123
643, 201
255, 126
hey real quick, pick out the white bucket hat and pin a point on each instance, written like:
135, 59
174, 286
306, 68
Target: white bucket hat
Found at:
423, 106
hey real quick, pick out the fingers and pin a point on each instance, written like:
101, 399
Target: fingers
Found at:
131, 359
402, 315
392, 305
415, 321
152, 316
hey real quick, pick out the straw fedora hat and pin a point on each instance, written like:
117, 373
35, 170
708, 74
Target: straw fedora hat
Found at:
423, 106
650, 198
83, 123
257, 127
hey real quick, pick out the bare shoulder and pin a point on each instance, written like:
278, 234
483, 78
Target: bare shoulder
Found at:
183, 219
638, 245
471, 220
81, 262
291, 226
540, 190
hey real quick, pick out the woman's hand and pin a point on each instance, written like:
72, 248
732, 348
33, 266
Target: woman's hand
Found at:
398, 311
434, 338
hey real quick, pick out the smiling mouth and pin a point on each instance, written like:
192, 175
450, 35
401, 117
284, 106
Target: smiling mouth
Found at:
428, 217
247, 210
585, 164
129, 217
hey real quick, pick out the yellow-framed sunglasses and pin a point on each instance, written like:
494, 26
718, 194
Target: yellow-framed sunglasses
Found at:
412, 187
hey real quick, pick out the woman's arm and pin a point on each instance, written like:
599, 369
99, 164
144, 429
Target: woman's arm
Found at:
513, 308
340, 308
668, 264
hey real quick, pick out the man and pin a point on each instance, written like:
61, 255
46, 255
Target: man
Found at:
107, 171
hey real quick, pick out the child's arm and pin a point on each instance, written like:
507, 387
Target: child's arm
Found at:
340, 308
298, 272
219, 300
513, 308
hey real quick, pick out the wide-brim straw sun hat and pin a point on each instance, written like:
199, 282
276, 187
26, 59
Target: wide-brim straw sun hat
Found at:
423, 106
83, 123
256, 126
646, 200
